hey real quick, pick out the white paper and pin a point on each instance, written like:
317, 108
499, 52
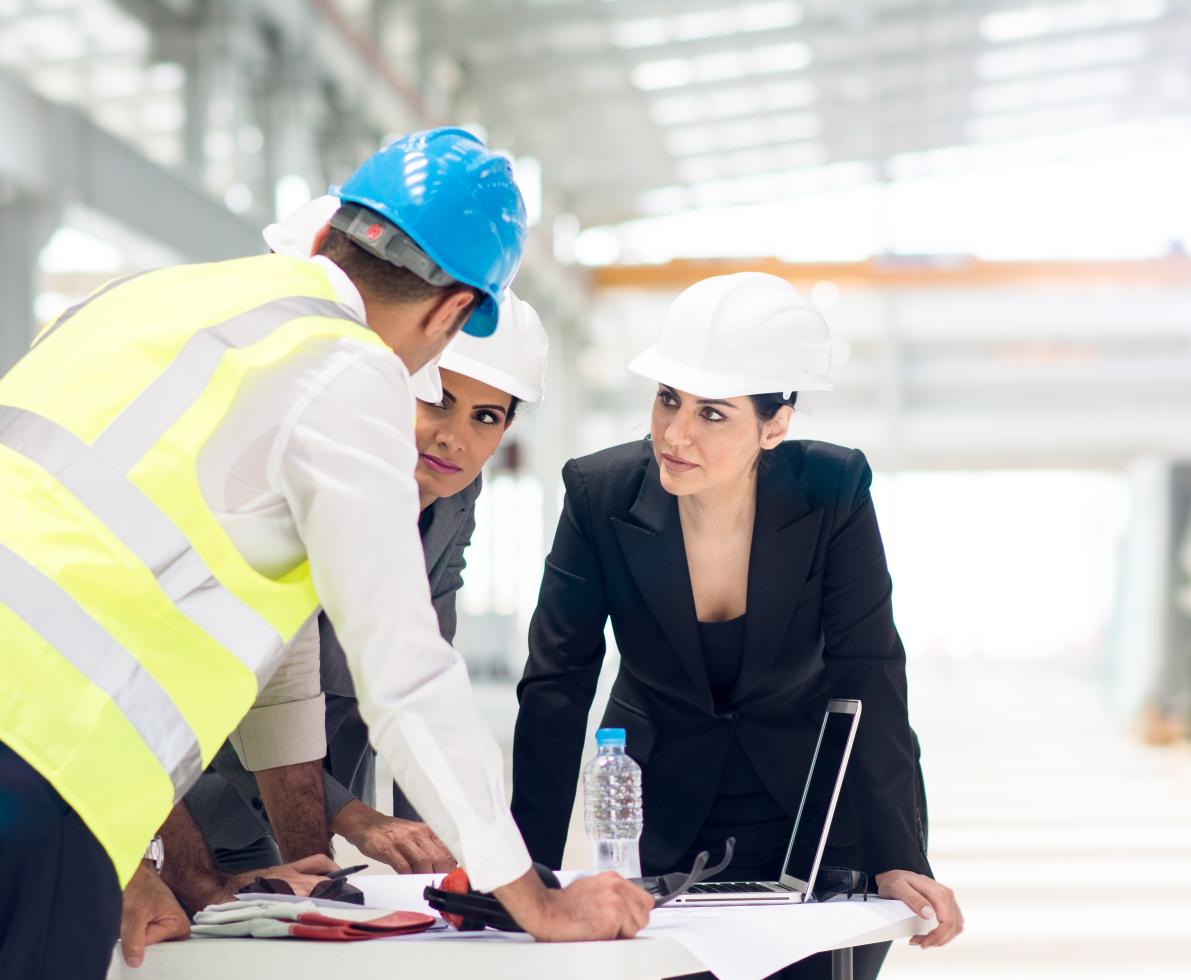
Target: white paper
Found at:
748, 942
402, 892
741, 943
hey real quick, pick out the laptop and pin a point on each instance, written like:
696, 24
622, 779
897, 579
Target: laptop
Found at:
801, 866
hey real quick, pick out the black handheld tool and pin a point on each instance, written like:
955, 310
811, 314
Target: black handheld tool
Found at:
469, 910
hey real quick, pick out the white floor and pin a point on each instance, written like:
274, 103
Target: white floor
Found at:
1068, 843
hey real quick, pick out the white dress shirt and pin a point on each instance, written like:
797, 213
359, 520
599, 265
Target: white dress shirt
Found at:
315, 460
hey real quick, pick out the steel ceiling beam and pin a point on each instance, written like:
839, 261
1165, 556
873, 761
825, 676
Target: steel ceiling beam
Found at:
611, 194
339, 55
848, 52
64, 157
878, 95
898, 274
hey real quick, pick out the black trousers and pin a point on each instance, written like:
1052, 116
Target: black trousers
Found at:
60, 899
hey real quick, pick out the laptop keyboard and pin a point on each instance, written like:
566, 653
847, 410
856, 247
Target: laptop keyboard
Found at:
730, 886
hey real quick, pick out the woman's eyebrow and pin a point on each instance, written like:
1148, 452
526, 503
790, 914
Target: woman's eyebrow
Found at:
493, 408
700, 401
447, 396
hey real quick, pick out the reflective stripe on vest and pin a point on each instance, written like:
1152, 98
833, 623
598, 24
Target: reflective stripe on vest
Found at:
134, 633
35, 674
65, 626
161, 404
71, 311
133, 518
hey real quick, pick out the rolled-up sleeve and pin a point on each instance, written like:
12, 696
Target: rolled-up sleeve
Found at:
345, 465
286, 724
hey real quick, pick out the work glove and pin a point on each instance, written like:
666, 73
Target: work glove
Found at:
265, 919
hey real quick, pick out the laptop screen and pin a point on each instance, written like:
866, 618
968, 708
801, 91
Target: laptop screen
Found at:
818, 800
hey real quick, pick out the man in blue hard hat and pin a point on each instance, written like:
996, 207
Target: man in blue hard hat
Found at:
191, 463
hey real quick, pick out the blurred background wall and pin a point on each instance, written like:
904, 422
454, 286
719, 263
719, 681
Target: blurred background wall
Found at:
988, 200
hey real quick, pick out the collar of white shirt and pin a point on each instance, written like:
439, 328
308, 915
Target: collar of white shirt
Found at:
345, 289
426, 383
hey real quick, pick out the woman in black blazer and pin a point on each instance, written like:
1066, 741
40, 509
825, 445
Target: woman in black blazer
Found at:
746, 582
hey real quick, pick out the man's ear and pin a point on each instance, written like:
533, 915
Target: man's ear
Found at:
320, 236
447, 314
773, 433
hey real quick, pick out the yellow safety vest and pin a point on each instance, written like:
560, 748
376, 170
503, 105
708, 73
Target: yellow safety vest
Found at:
133, 634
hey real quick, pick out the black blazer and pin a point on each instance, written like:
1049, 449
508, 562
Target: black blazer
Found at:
819, 624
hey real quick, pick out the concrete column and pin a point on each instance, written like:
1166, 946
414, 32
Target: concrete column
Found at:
295, 115
25, 226
1138, 651
1175, 682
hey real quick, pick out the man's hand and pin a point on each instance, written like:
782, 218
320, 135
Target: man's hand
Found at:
301, 876
151, 915
404, 845
604, 906
929, 899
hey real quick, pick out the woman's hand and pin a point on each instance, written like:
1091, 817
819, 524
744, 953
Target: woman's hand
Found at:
928, 899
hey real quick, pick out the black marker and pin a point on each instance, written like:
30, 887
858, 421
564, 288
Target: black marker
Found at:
344, 872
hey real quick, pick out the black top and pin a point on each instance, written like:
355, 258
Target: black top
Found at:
819, 624
723, 646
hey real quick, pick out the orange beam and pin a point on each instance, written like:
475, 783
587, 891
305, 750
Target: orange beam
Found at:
926, 273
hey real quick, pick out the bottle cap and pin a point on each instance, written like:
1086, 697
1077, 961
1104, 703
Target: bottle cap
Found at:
610, 736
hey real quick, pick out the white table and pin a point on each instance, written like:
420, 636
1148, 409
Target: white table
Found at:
738, 943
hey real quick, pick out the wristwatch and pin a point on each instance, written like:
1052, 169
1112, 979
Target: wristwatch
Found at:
155, 852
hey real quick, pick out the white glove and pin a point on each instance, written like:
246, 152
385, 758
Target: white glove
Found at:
245, 910
257, 928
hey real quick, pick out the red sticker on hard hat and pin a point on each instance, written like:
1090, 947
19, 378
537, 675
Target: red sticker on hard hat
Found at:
374, 232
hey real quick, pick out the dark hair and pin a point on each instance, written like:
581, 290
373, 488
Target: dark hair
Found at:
767, 406
514, 401
380, 280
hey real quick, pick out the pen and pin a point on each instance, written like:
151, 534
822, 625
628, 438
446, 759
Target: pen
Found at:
344, 872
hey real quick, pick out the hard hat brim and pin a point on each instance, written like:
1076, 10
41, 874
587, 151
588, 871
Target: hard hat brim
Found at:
295, 235
526, 391
656, 366
427, 383
483, 319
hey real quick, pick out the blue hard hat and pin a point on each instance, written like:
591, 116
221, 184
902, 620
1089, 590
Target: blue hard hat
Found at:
459, 204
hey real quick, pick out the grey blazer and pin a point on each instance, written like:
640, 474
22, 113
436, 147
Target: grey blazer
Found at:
225, 802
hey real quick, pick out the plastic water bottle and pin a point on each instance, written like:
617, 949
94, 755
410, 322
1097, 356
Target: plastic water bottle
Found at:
612, 806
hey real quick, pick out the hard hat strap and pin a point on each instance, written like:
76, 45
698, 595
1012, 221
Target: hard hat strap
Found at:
386, 241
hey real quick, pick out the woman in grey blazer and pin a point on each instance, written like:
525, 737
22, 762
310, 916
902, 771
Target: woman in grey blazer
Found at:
483, 384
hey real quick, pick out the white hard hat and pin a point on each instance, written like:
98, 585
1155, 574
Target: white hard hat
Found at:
512, 360
749, 333
295, 237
